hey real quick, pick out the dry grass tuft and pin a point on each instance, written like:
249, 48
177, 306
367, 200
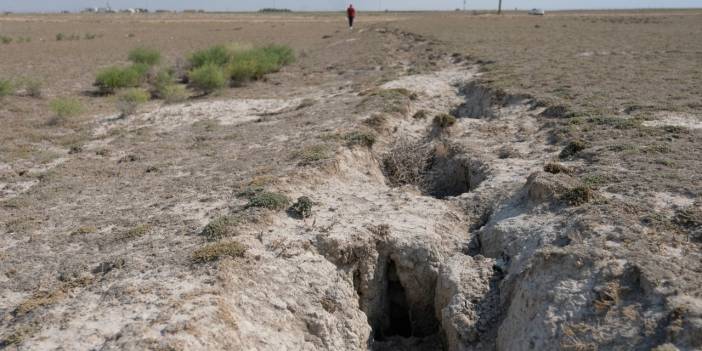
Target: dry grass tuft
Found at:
135, 233
406, 162
362, 138
312, 154
214, 252
578, 196
555, 168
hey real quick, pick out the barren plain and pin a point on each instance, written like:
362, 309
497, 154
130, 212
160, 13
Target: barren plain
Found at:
428, 181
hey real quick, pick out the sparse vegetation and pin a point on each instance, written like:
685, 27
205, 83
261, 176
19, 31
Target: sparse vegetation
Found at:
33, 88
578, 195
573, 148
135, 233
84, 230
65, 107
18, 335
146, 56
302, 208
406, 162
220, 227
269, 200
376, 121
208, 78
113, 78
555, 168
62, 37
255, 63
6, 87
242, 63
594, 181
312, 154
214, 252
5, 40
219, 55
129, 100
444, 121
362, 138
421, 114
173, 93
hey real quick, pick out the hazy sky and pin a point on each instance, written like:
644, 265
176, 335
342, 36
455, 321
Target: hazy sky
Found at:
252, 5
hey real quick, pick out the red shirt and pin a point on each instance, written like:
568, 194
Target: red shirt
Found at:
351, 12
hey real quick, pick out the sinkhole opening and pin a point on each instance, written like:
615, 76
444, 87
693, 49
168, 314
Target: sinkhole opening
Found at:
438, 169
397, 320
478, 102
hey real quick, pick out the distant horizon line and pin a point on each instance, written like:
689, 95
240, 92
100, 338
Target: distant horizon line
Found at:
153, 10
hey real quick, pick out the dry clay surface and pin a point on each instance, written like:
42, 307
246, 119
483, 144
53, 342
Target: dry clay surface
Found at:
481, 251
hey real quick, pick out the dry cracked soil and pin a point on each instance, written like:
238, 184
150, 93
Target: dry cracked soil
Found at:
406, 186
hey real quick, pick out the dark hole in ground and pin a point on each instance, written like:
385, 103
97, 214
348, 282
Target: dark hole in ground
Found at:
478, 102
440, 169
451, 173
402, 316
398, 321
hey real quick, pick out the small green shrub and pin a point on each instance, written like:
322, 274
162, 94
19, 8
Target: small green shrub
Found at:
573, 148
218, 55
142, 70
242, 71
219, 228
164, 87
6, 87
66, 107
208, 78
110, 79
215, 251
150, 57
5, 40
282, 54
360, 138
129, 100
173, 93
444, 120
253, 64
162, 78
302, 208
89, 36
60, 37
269, 200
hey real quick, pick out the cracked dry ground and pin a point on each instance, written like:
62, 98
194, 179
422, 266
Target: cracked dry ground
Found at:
431, 237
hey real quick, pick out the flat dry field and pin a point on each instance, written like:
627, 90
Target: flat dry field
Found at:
572, 164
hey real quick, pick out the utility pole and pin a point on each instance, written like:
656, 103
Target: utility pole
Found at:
499, 8
464, 5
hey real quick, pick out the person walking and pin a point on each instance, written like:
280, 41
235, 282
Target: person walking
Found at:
351, 14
